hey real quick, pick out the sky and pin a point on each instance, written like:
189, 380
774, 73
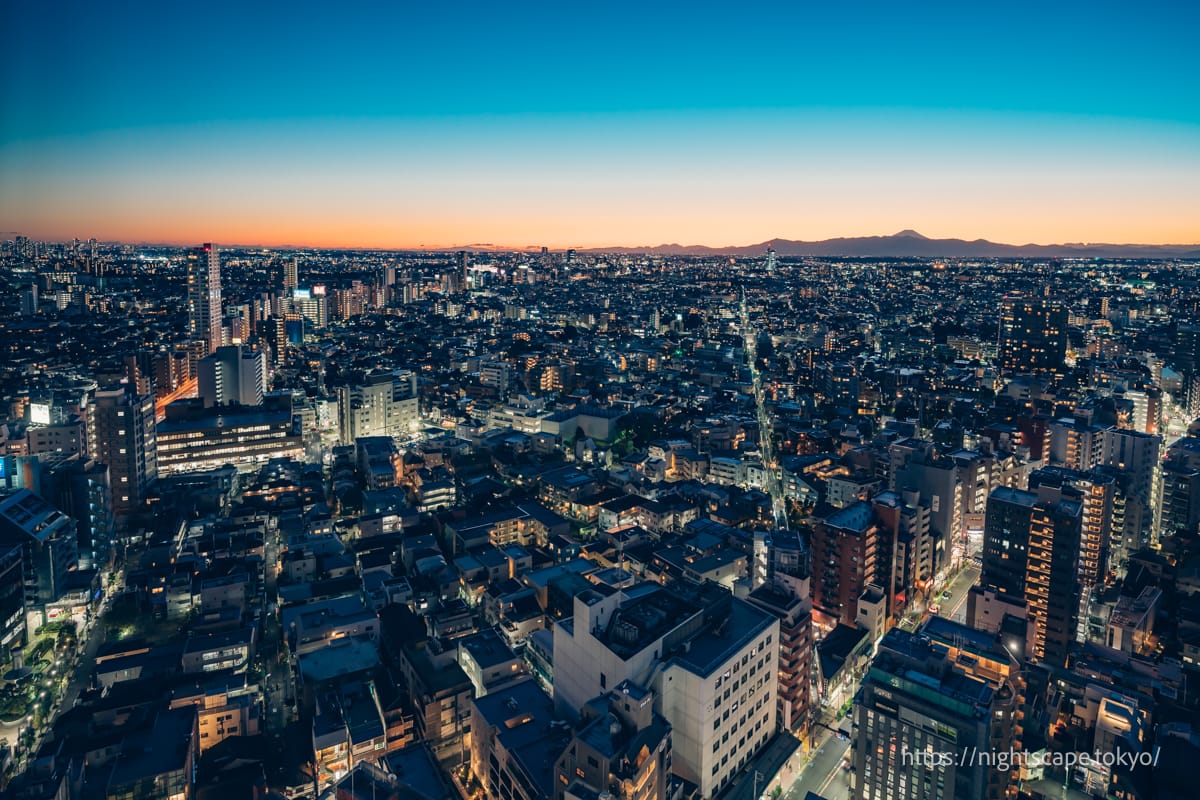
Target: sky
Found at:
589, 125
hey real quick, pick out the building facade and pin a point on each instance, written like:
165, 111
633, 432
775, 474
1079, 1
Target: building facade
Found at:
193, 438
917, 716
204, 295
121, 434
384, 404
711, 660
1033, 335
233, 375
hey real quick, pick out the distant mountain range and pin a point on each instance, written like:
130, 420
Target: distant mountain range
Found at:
910, 244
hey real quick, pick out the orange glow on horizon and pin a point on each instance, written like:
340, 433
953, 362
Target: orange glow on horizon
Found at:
533, 231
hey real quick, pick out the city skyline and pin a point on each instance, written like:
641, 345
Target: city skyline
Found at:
593, 129
610, 401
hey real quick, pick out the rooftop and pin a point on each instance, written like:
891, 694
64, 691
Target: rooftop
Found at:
1020, 497
908, 662
854, 517
641, 621
837, 646
160, 750
964, 637
714, 645
339, 657
210, 641
417, 770
226, 418
523, 716
486, 648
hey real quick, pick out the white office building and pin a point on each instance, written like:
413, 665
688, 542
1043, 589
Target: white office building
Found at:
710, 658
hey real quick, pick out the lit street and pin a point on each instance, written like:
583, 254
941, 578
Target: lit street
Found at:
955, 606
824, 774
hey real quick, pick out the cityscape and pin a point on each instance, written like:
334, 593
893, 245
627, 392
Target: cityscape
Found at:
599, 404
335, 518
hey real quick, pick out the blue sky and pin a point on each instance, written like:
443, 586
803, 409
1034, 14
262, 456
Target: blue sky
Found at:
104, 103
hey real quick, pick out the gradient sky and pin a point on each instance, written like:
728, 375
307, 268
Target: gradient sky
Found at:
573, 125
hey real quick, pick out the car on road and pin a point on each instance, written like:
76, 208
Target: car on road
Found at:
946, 595
933, 609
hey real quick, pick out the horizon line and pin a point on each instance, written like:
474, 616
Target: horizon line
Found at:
907, 233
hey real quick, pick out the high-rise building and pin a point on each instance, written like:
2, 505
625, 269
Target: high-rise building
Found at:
1180, 499
121, 435
909, 545
383, 404
193, 438
29, 300
233, 374
1187, 362
49, 544
844, 562
1097, 492
711, 660
1006, 540
1030, 553
80, 487
794, 611
312, 307
12, 601
464, 269
1075, 444
204, 294
237, 324
291, 275
275, 334
171, 371
1033, 335
928, 701
1136, 458
916, 465
59, 438
1051, 586
515, 741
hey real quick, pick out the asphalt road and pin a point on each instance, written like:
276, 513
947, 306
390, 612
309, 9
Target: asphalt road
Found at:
955, 607
824, 774
277, 686
82, 677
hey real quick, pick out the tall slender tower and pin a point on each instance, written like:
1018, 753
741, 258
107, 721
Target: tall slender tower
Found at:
291, 275
122, 434
204, 294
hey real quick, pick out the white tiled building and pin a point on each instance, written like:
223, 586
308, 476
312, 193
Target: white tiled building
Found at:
710, 659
